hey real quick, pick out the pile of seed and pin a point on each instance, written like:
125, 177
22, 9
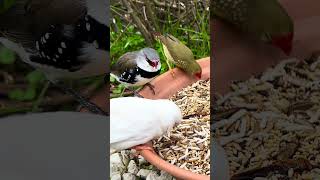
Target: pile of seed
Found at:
273, 118
188, 144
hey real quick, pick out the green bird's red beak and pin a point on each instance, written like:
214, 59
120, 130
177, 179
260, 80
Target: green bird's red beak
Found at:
198, 75
284, 43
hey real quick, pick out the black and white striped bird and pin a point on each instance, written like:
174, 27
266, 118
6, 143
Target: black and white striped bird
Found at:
65, 39
137, 68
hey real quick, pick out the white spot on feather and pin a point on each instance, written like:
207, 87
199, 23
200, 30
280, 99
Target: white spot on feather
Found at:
37, 45
60, 50
88, 27
47, 35
43, 40
63, 45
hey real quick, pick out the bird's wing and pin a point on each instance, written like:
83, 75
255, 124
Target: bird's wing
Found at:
23, 38
132, 119
176, 51
224, 10
125, 62
60, 46
126, 126
167, 53
168, 42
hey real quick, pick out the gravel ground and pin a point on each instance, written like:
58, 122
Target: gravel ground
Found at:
270, 124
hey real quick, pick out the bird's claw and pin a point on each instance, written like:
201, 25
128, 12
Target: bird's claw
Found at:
172, 74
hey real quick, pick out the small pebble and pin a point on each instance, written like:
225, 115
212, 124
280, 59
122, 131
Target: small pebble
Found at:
143, 173
116, 176
132, 167
128, 176
153, 176
116, 164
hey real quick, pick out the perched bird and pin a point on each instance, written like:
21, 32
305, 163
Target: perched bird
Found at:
134, 121
264, 20
178, 53
65, 39
137, 68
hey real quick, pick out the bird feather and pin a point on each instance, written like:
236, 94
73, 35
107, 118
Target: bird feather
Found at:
125, 62
135, 121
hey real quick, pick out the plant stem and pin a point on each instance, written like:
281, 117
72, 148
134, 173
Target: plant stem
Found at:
35, 107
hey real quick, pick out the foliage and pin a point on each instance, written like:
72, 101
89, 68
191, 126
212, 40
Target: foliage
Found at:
5, 5
35, 79
191, 27
6, 56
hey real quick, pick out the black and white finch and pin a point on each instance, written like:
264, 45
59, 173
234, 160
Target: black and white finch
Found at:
65, 39
137, 68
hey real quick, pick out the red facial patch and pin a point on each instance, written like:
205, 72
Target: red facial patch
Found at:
284, 43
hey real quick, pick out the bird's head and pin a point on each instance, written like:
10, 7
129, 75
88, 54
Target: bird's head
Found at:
283, 42
196, 70
151, 57
273, 23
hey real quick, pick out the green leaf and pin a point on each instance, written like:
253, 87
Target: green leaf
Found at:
121, 86
35, 77
6, 56
118, 89
30, 94
16, 94
112, 79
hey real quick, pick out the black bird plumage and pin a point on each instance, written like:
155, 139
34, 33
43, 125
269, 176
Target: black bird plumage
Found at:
62, 38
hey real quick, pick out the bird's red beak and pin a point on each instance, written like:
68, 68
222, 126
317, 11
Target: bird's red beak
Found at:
154, 64
284, 43
198, 75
